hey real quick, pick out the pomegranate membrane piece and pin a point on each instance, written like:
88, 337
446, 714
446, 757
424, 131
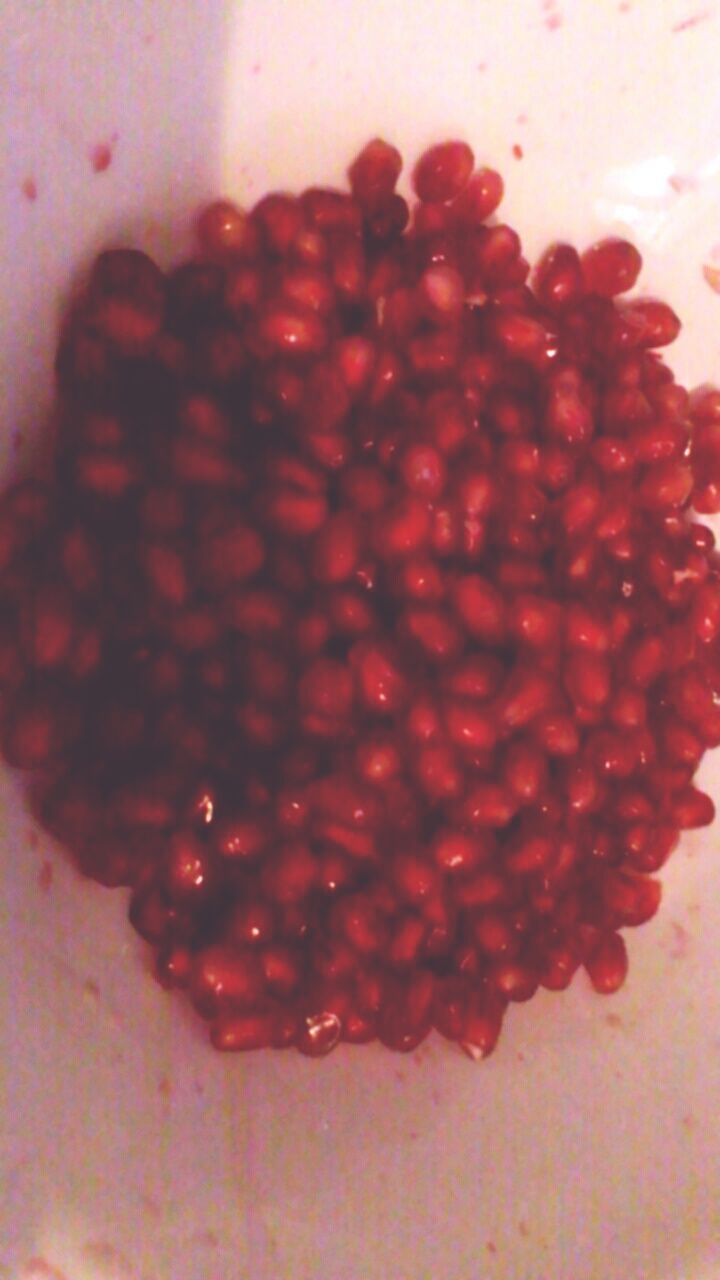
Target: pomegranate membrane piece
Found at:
361, 626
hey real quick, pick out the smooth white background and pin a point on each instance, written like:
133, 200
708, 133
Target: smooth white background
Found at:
588, 1146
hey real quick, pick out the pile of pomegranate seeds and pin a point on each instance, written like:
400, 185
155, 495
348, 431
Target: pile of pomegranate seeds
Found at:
360, 626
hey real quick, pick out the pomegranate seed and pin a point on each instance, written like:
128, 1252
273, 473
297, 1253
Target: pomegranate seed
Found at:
559, 277
607, 963
479, 198
480, 607
650, 323
292, 330
489, 805
632, 899
224, 230
241, 838
611, 267
225, 977
692, 808
406, 1011
587, 679
561, 960
236, 1032
319, 1033
442, 171
423, 470
374, 173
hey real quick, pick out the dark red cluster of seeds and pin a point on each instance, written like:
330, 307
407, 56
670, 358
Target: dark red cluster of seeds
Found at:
359, 624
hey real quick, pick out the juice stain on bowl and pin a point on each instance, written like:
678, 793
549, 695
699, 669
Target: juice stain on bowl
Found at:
101, 154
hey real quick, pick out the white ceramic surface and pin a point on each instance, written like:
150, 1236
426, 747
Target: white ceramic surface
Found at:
588, 1146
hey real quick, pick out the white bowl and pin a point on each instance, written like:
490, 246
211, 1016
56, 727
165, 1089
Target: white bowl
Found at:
588, 1146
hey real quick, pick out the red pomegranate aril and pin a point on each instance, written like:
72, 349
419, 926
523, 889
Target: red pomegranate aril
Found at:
422, 579
225, 231
557, 734
291, 874
280, 219
588, 679
415, 878
611, 267
436, 633
474, 676
559, 964
423, 722
200, 464
665, 486
408, 935
479, 198
252, 924
458, 852
513, 979
337, 549
649, 849
173, 966
627, 708
650, 323
329, 210
281, 968
291, 329
374, 173
406, 1011
225, 978
49, 628
479, 1022
386, 222
378, 759
521, 337
35, 729
690, 693
527, 695
189, 868
535, 620
489, 804
104, 474
319, 1033
442, 172
285, 1025
241, 838
607, 963
403, 528
584, 790
646, 660
632, 899
494, 934
442, 293
307, 288
690, 808
423, 470
470, 727
480, 607
559, 278
233, 1032
381, 683
293, 513
524, 771
438, 773
326, 688
360, 924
